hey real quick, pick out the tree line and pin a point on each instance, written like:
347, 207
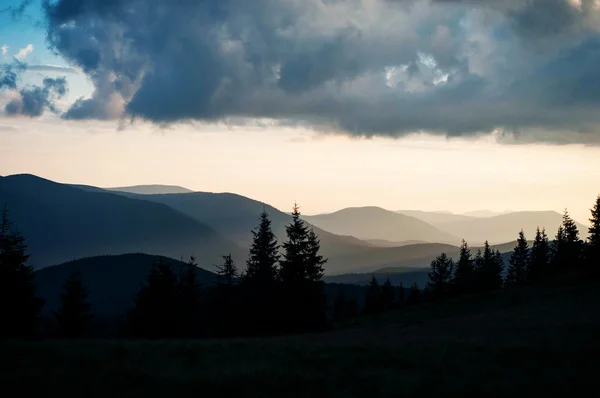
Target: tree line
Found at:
281, 289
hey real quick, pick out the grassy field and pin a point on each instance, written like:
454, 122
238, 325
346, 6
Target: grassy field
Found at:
533, 341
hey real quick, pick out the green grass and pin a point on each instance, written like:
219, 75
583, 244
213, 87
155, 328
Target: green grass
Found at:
532, 341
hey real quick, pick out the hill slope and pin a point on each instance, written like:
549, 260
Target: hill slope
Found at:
61, 223
151, 189
506, 227
234, 216
111, 281
434, 218
378, 223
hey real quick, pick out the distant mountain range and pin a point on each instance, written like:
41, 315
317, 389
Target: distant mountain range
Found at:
151, 189
62, 222
378, 223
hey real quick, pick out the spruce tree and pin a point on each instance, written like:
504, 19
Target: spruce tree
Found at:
414, 295
440, 275
74, 315
464, 274
264, 256
540, 256
478, 279
388, 295
19, 308
567, 247
373, 299
593, 247
558, 248
301, 272
519, 262
401, 294
156, 312
227, 272
492, 266
189, 297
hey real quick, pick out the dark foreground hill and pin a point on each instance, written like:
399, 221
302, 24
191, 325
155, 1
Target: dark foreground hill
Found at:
111, 281
61, 223
533, 342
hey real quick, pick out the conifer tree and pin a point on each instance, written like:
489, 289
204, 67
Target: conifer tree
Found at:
301, 272
492, 266
593, 248
373, 299
540, 256
387, 295
401, 294
567, 248
440, 275
478, 279
19, 308
414, 295
74, 314
464, 273
227, 272
264, 256
155, 313
189, 306
519, 262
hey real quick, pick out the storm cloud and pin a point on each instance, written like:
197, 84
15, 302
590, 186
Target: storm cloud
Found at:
366, 67
30, 100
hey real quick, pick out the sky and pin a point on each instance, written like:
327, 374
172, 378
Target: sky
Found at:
452, 105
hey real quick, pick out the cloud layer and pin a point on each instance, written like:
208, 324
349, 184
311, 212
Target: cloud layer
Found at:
367, 67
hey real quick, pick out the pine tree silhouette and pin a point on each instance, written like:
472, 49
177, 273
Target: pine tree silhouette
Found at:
567, 248
227, 272
440, 276
262, 298
519, 262
593, 247
156, 312
464, 273
401, 294
74, 315
188, 307
301, 275
373, 299
414, 295
540, 256
19, 308
388, 296
491, 269
264, 256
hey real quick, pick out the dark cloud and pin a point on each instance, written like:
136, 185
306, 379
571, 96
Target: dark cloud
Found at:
31, 100
50, 68
34, 100
368, 67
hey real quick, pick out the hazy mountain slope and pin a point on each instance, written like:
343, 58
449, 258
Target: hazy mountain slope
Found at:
388, 243
506, 227
378, 223
112, 281
151, 189
419, 255
484, 213
434, 218
61, 223
234, 216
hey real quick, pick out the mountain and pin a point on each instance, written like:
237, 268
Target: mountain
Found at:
415, 256
434, 218
151, 189
234, 216
378, 223
111, 281
389, 243
484, 213
61, 222
406, 276
506, 227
